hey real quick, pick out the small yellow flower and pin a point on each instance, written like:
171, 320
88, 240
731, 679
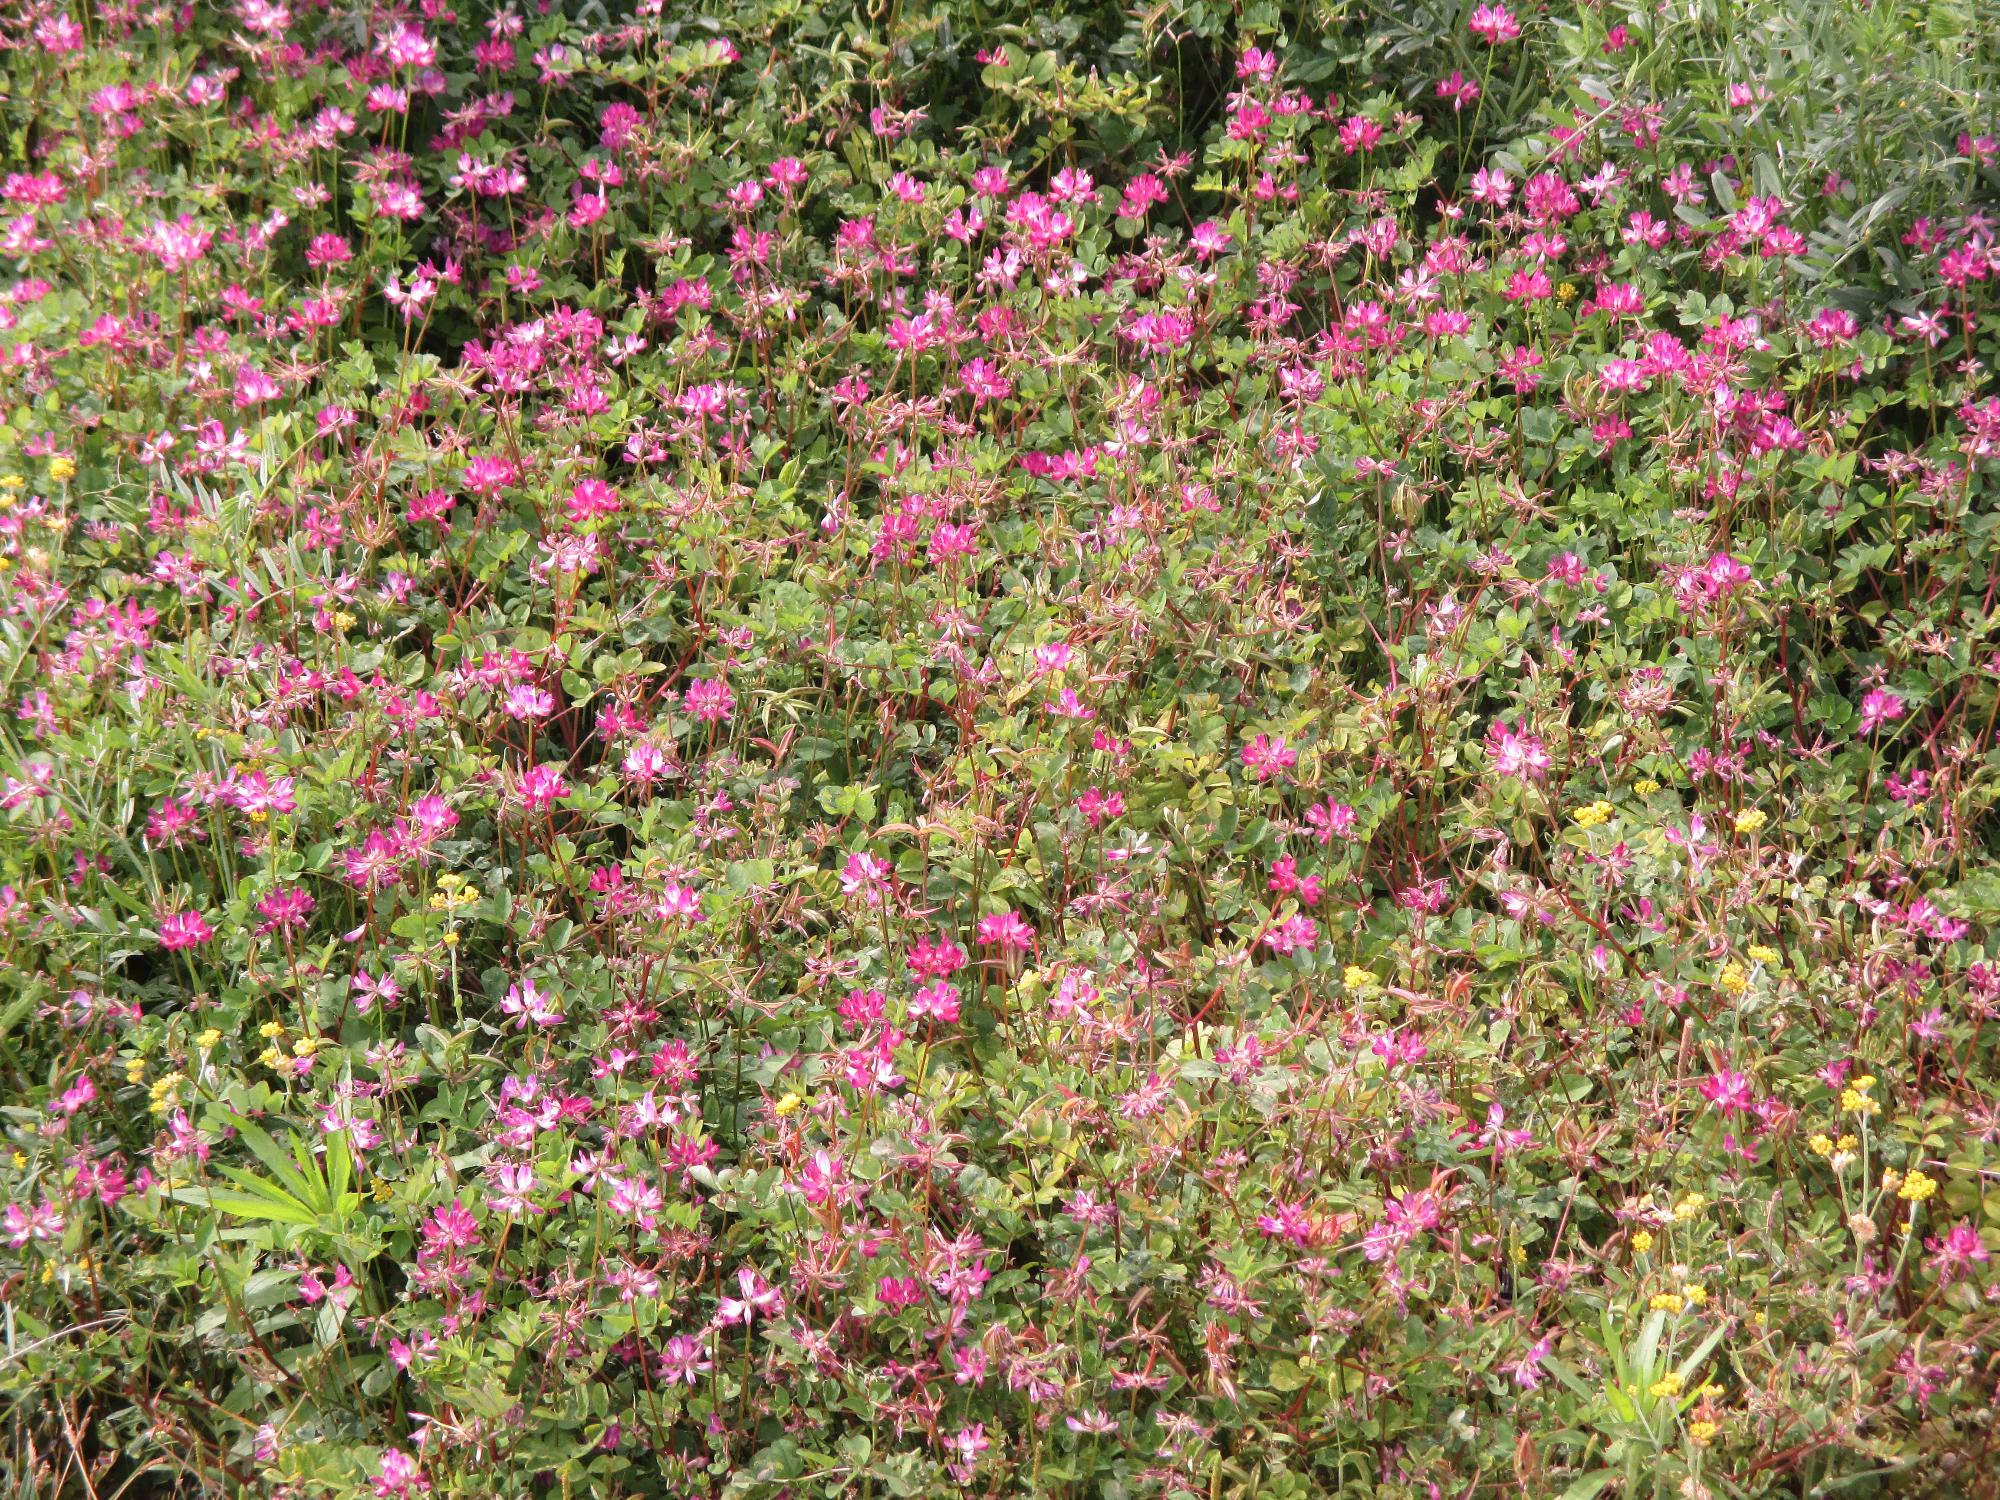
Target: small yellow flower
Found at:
1732, 978
1761, 954
1696, 1293
1642, 1241
13, 482
1855, 1102
1689, 1206
1751, 819
62, 469
342, 620
1666, 1302
1710, 1391
305, 1046
1646, 788
1566, 293
135, 1070
1822, 1145
1916, 1187
451, 940
271, 1057
1864, 1083
1592, 814
1759, 1319
1359, 979
163, 1092
271, 1030
1703, 1433
207, 1040
791, 1104
20, 1160
1667, 1385
1849, 1142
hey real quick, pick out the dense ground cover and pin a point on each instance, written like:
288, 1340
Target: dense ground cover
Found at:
975, 749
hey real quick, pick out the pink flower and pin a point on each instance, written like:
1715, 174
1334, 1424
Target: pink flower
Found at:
285, 910
685, 1359
489, 474
1494, 24
1880, 707
1954, 1253
709, 700
1006, 931
530, 1006
1728, 1091
1292, 935
1527, 1370
399, 1476
865, 875
541, 787
938, 1000
758, 1296
183, 930
1519, 755
1267, 756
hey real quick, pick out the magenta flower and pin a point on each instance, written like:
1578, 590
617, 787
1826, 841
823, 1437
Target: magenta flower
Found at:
399, 1476
184, 929
758, 1297
1493, 24
1880, 707
1268, 755
530, 1006
489, 474
1518, 755
541, 787
1006, 931
709, 701
1729, 1092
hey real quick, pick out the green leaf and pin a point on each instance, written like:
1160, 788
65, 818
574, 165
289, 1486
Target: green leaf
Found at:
1589, 1485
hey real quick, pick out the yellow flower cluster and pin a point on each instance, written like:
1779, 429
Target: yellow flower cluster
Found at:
1916, 1188
1646, 788
1750, 820
1854, 1099
164, 1090
1666, 1302
1592, 814
1668, 1384
273, 1056
1359, 979
1688, 1207
1761, 954
453, 892
1642, 1241
1733, 978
